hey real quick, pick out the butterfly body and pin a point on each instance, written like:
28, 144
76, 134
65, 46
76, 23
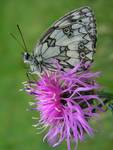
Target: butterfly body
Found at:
70, 40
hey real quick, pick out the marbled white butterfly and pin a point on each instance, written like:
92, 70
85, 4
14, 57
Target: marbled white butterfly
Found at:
69, 40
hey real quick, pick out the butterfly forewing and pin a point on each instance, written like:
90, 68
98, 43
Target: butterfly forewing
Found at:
70, 40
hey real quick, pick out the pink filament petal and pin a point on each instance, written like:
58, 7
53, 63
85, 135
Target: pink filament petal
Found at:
65, 101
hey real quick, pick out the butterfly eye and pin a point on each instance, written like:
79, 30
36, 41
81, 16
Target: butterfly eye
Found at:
26, 56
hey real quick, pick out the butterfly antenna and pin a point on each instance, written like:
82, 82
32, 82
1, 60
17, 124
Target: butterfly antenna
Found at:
25, 47
15, 38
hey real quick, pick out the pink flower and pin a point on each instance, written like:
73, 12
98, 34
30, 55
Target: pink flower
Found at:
66, 101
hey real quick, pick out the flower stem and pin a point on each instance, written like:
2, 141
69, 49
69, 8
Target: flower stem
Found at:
107, 98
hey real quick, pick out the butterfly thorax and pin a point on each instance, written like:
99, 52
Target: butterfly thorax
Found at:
33, 61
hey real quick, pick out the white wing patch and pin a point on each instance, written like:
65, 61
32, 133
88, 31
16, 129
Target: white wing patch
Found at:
72, 54
70, 40
50, 53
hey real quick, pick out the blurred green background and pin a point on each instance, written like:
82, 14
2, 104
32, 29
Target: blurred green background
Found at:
34, 17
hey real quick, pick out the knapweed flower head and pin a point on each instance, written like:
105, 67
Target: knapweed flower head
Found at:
66, 101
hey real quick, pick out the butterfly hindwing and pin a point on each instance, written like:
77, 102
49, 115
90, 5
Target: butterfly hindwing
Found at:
70, 40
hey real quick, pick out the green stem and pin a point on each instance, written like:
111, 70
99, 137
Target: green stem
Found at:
107, 99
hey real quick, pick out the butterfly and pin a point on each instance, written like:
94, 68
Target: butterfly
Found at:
69, 40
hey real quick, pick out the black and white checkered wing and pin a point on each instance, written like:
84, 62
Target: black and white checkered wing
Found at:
70, 40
